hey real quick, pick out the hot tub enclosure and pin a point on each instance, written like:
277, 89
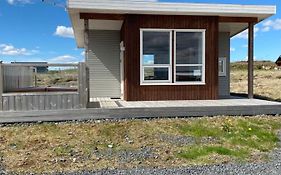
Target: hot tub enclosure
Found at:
146, 50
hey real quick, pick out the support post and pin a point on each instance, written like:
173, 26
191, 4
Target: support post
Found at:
85, 68
86, 38
82, 86
251, 60
1, 86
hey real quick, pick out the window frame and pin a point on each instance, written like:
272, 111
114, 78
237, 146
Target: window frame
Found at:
203, 81
172, 66
142, 66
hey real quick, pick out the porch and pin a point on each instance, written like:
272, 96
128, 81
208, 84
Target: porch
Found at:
149, 109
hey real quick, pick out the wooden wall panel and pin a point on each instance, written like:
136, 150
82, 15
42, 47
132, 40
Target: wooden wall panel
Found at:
40, 101
16, 77
130, 35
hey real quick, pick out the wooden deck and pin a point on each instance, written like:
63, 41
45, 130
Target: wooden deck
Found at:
199, 103
106, 102
192, 108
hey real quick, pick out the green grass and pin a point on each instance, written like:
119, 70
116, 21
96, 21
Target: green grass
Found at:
199, 129
248, 134
64, 150
200, 151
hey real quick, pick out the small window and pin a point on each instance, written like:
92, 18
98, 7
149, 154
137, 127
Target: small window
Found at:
156, 56
222, 66
156, 73
188, 73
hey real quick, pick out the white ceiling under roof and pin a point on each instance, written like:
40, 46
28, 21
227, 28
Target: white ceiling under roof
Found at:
75, 7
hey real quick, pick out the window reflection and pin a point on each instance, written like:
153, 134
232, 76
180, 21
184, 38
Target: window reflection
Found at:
189, 47
156, 47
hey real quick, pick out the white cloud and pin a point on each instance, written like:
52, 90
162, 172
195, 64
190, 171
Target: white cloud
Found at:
66, 32
232, 49
244, 34
8, 49
83, 53
271, 25
245, 45
13, 2
64, 59
265, 29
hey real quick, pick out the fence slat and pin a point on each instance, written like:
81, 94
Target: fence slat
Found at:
35, 102
41, 102
53, 102
12, 103
47, 102
24, 103
64, 101
82, 85
18, 102
5, 103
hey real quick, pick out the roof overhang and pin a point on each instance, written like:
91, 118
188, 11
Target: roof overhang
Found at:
119, 8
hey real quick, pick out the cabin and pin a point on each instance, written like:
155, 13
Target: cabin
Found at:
278, 62
150, 51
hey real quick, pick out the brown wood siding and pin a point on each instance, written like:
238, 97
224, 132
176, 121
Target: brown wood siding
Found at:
130, 34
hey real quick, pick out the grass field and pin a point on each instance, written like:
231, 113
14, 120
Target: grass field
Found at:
147, 143
267, 79
58, 78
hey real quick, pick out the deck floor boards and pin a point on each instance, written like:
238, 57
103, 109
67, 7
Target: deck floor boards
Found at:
149, 109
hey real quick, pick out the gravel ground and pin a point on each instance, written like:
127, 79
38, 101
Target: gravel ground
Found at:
271, 168
186, 140
128, 155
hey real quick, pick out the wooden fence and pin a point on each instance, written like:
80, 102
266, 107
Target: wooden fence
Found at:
45, 100
16, 77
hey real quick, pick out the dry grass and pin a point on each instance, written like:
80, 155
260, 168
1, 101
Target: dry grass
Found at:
267, 83
76, 146
62, 78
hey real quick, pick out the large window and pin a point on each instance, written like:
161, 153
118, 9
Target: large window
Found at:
160, 67
189, 56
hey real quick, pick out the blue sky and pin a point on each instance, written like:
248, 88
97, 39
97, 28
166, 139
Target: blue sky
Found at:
35, 31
